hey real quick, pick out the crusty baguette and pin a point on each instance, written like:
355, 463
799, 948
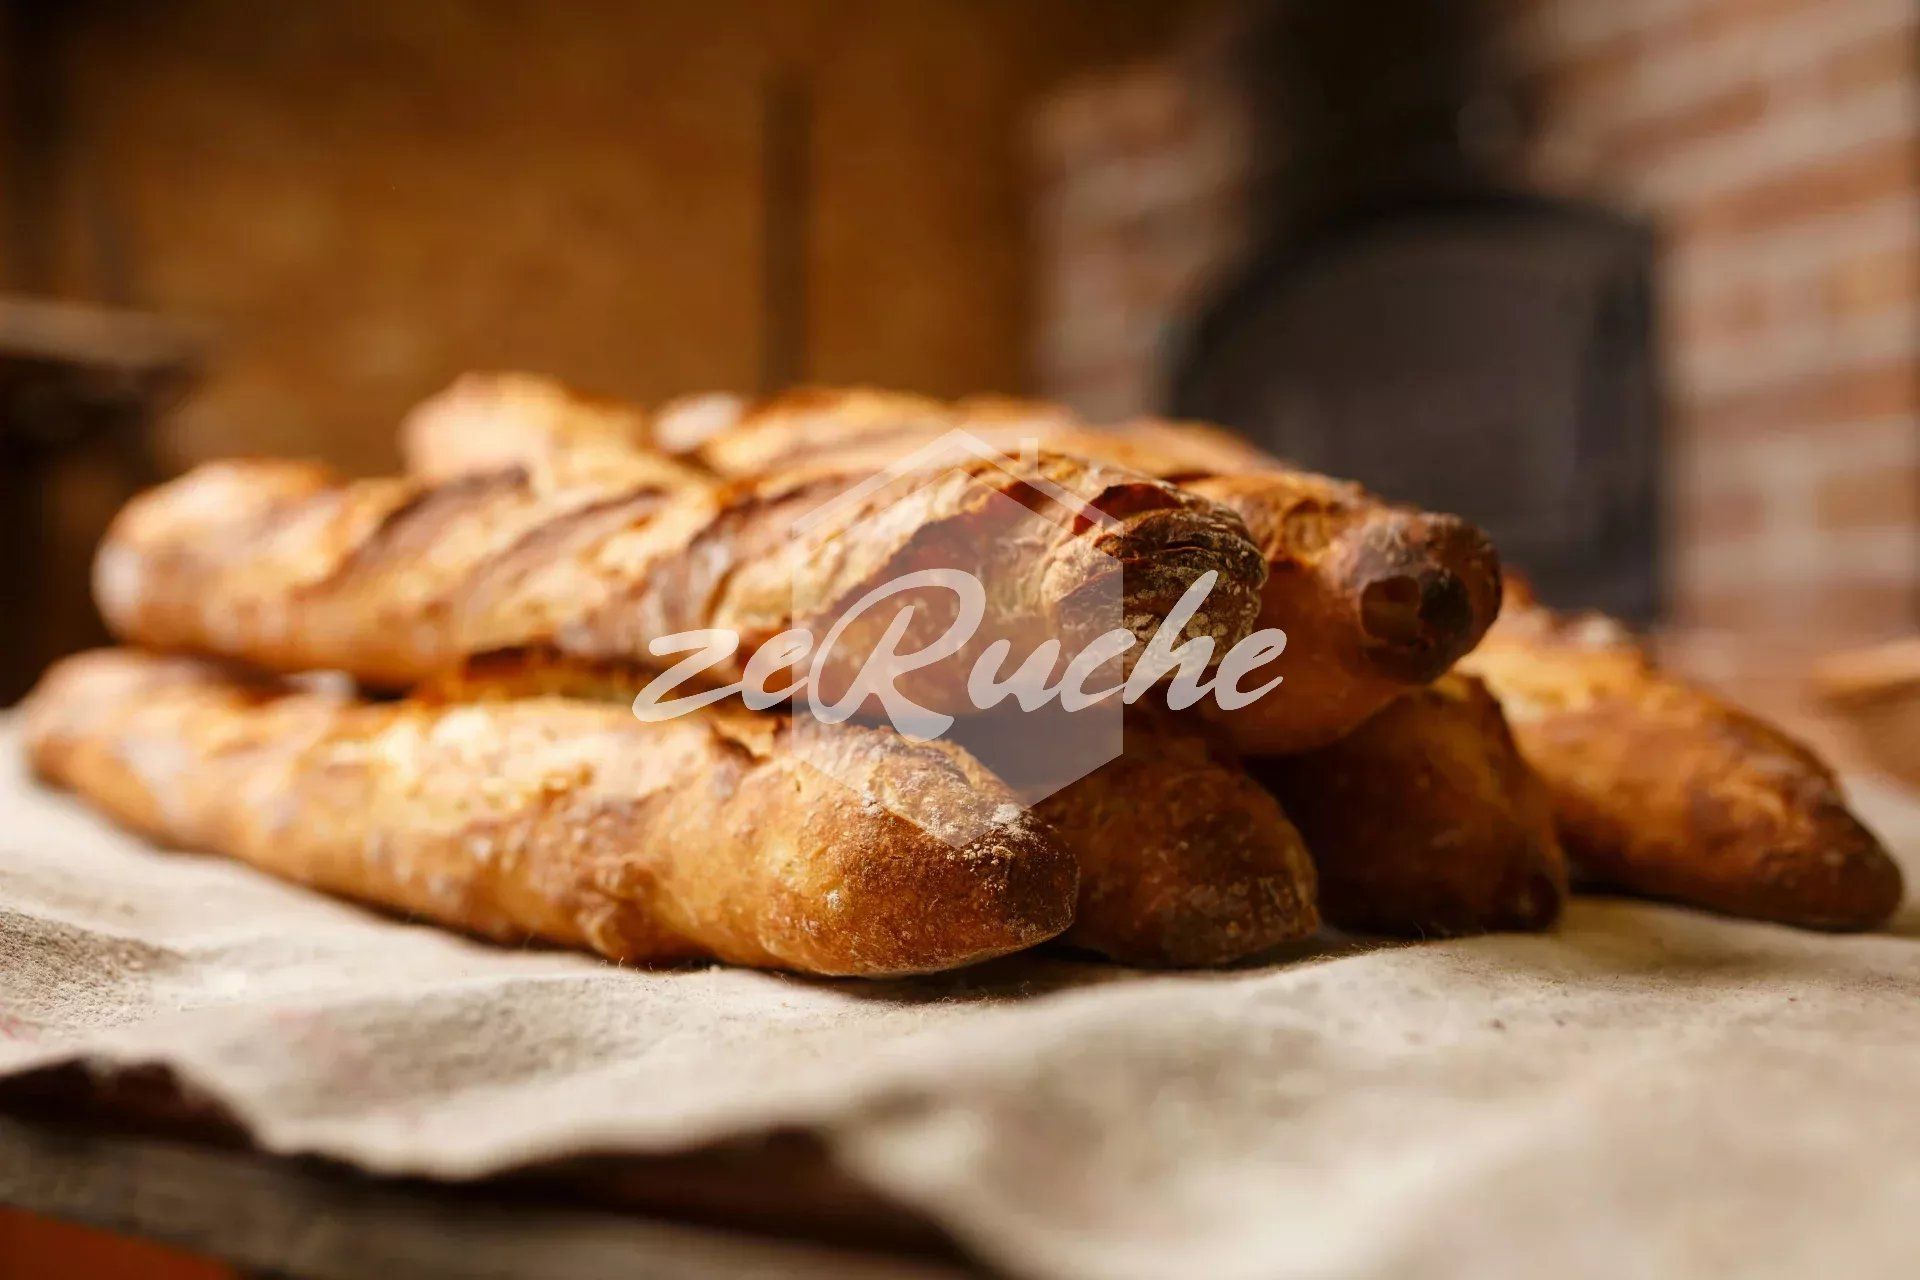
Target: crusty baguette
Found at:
1425, 820
1184, 859
863, 428
815, 426
570, 822
1662, 789
487, 421
1376, 599
495, 421
288, 567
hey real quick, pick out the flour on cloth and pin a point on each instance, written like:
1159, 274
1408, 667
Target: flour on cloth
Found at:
1648, 1091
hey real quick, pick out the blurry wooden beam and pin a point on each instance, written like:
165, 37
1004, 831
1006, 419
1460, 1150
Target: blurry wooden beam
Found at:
32, 132
80, 387
786, 193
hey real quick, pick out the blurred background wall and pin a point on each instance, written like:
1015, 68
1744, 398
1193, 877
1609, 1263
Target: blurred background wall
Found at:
321, 212
1773, 149
283, 224
364, 198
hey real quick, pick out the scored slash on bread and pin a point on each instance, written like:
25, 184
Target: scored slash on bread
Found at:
547, 538
1376, 599
1184, 859
1664, 790
291, 568
569, 822
499, 421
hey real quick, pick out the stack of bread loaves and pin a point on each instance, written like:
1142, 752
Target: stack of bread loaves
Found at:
1419, 770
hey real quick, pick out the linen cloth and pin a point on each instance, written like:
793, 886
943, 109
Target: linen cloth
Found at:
1647, 1091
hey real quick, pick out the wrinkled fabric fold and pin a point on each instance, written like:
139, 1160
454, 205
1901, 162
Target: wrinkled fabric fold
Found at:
1647, 1091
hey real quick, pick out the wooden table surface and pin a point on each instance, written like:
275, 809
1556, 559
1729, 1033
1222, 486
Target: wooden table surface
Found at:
296, 1218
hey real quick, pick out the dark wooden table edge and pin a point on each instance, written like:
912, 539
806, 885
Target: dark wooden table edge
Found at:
319, 1222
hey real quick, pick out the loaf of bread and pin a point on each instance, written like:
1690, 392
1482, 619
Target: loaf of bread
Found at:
1184, 859
1425, 821
863, 427
829, 426
289, 567
498, 421
1376, 599
566, 821
1662, 789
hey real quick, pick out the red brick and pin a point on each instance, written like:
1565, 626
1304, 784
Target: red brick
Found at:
1814, 615
1735, 313
1719, 515
1869, 496
1835, 397
1720, 609
1841, 182
1871, 283
1556, 86
1874, 60
1716, 19
1846, 611
1650, 140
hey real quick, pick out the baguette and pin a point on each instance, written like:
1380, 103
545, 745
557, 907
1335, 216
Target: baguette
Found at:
1662, 789
497, 421
487, 421
574, 823
1376, 599
863, 427
1425, 821
1184, 859
288, 567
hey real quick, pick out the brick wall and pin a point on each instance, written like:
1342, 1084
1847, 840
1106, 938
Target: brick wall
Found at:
1778, 144
1141, 200
1775, 143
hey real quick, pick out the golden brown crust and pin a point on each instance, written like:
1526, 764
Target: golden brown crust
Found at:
861, 427
290, 568
1661, 789
1375, 599
1425, 820
1184, 859
498, 421
566, 821
822, 426
1175, 449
